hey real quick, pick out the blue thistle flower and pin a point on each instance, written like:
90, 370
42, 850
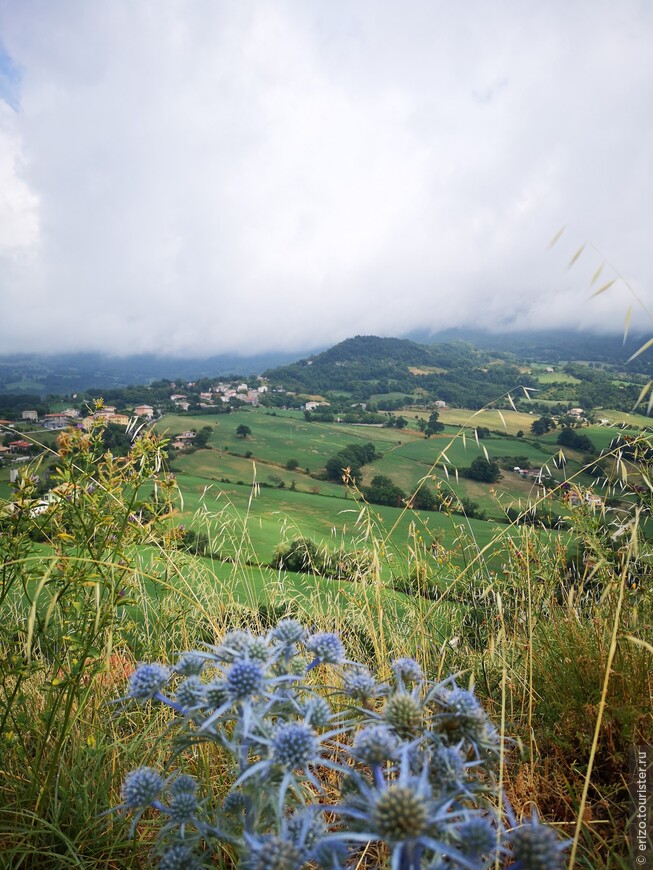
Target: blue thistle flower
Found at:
141, 788
317, 712
327, 649
190, 693
294, 745
407, 670
179, 857
216, 693
183, 807
477, 838
270, 852
447, 770
375, 745
184, 784
234, 803
536, 846
258, 649
233, 647
404, 714
360, 685
400, 813
147, 681
190, 664
245, 678
288, 632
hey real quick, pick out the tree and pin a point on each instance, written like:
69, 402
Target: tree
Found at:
483, 469
433, 426
542, 425
383, 491
243, 431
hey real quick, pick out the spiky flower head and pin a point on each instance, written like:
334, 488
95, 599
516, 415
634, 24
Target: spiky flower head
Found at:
147, 680
184, 784
234, 646
317, 712
464, 717
183, 807
258, 649
245, 678
217, 693
234, 804
400, 813
404, 714
141, 787
288, 632
190, 693
294, 745
306, 828
327, 648
179, 857
536, 846
446, 769
375, 745
270, 852
190, 664
478, 838
407, 670
360, 685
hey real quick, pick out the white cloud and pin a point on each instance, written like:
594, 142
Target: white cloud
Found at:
208, 177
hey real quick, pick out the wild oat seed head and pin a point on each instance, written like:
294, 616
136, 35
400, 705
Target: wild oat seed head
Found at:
147, 680
141, 787
327, 648
245, 678
400, 814
374, 745
294, 745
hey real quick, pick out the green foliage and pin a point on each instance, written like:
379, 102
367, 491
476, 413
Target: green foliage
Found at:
568, 437
485, 470
542, 425
383, 491
243, 430
351, 457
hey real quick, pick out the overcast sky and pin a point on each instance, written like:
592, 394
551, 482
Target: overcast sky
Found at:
208, 176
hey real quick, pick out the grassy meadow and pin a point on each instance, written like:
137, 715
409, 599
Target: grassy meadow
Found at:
552, 628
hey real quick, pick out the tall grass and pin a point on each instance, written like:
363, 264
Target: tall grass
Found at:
553, 637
